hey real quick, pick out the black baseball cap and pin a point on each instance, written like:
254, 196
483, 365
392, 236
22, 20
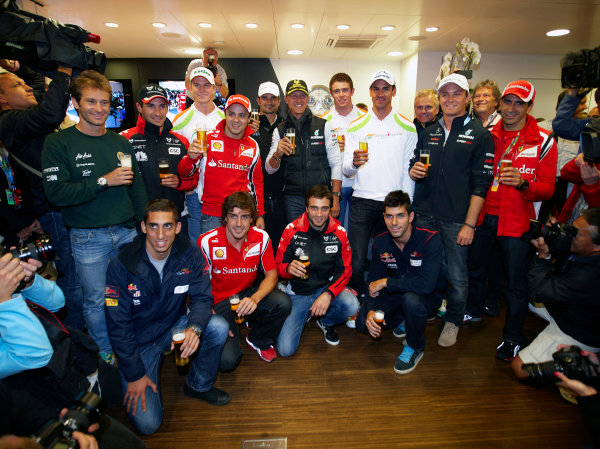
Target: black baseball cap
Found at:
151, 91
295, 85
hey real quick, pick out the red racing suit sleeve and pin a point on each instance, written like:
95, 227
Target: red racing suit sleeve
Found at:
343, 265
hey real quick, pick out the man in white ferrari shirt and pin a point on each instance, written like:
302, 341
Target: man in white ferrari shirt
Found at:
383, 168
202, 115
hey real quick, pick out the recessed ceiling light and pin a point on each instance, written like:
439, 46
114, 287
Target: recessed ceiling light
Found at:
252, 25
431, 29
343, 27
219, 42
159, 24
111, 24
294, 52
559, 32
297, 26
193, 51
395, 53
387, 27
204, 25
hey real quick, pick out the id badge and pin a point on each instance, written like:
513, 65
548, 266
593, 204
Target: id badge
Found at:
10, 197
495, 184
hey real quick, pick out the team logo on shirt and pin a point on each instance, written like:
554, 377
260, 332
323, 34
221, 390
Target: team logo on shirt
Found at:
132, 288
217, 145
175, 151
140, 156
111, 291
252, 250
248, 152
219, 253
387, 258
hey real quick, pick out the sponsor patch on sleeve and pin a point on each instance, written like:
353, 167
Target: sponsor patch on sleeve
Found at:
111, 302
111, 291
181, 289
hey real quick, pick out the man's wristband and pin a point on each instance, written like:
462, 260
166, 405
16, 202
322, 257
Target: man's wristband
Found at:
469, 226
338, 194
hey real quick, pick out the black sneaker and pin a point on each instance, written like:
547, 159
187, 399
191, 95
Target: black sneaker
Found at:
492, 309
331, 335
214, 396
507, 350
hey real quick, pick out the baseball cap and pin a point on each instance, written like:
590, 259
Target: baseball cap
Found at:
203, 72
295, 85
268, 88
384, 75
151, 91
522, 89
455, 78
239, 99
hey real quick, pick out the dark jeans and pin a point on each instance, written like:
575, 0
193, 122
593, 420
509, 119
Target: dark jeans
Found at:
266, 322
294, 206
366, 218
275, 221
494, 270
409, 307
514, 252
68, 280
458, 274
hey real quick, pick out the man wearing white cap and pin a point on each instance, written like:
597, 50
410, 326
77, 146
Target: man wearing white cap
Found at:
452, 189
383, 168
202, 115
529, 153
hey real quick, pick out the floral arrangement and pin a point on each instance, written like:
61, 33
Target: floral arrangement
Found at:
466, 56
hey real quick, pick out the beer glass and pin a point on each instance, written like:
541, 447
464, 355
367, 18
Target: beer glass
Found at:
234, 302
363, 146
290, 133
304, 260
182, 363
201, 137
254, 114
163, 167
424, 158
125, 160
505, 163
378, 318
341, 138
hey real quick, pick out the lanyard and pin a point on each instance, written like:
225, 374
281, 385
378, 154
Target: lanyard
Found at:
512, 144
10, 177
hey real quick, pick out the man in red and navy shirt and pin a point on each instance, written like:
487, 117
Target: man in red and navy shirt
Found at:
407, 273
317, 290
234, 253
232, 164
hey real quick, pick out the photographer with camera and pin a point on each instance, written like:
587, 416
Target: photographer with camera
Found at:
569, 293
210, 59
566, 124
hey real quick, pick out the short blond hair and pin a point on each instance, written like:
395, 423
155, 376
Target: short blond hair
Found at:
428, 93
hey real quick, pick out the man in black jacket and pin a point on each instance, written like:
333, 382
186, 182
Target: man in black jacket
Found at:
452, 189
314, 158
24, 125
569, 294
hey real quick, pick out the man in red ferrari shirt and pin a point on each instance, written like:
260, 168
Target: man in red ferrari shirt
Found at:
234, 252
232, 164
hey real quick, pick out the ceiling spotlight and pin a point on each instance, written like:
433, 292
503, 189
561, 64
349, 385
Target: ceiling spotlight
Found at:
204, 25
218, 42
159, 24
252, 25
395, 53
111, 24
559, 32
297, 26
193, 51
343, 27
294, 52
387, 27
432, 29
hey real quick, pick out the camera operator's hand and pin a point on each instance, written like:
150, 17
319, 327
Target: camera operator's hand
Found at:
85, 441
577, 387
137, 390
11, 275
66, 70
90, 429
119, 176
542, 247
590, 175
30, 267
10, 65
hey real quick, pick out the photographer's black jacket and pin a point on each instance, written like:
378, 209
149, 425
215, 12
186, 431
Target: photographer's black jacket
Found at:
273, 183
24, 132
461, 166
570, 295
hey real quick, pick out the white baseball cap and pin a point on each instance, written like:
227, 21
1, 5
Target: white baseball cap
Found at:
384, 75
459, 80
268, 88
203, 72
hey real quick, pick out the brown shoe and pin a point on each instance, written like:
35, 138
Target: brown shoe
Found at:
448, 335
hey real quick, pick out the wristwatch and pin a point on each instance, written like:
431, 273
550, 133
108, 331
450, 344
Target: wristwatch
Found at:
523, 186
196, 330
338, 194
102, 182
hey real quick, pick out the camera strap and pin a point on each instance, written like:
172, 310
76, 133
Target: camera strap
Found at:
52, 323
26, 166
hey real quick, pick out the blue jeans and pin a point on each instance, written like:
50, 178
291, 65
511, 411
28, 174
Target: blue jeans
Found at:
514, 252
366, 219
344, 305
345, 206
275, 221
208, 223
203, 370
409, 307
294, 205
458, 272
194, 209
68, 281
92, 250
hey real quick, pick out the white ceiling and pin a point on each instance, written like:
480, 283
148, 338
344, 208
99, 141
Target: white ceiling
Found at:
497, 26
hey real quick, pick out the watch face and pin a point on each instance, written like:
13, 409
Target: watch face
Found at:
319, 100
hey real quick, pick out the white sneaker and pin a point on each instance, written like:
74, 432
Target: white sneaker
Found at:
448, 335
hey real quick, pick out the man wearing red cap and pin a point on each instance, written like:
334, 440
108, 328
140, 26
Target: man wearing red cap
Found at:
232, 164
524, 173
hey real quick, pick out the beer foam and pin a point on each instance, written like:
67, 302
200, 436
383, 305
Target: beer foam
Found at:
179, 337
379, 315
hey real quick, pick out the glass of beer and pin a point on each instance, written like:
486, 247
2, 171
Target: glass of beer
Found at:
234, 302
182, 363
505, 163
125, 160
304, 260
424, 158
378, 318
341, 138
290, 133
201, 137
254, 115
363, 146
163, 167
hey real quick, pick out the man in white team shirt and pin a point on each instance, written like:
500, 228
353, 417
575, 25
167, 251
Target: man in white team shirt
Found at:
203, 114
391, 139
339, 117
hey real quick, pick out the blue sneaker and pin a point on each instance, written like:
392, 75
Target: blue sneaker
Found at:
399, 331
407, 361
